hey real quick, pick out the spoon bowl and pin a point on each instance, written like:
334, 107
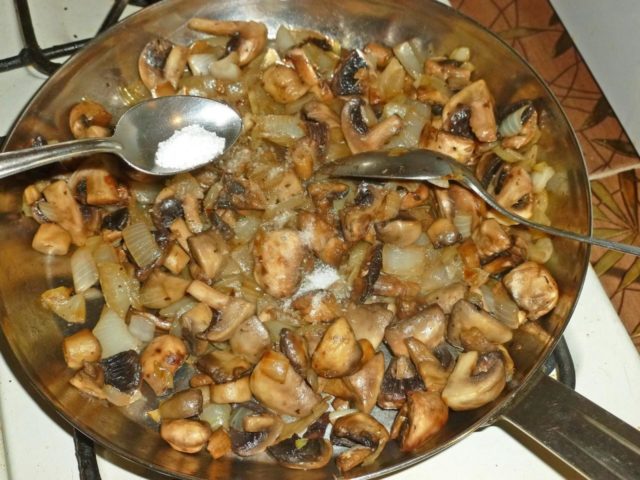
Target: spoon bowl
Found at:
137, 135
439, 169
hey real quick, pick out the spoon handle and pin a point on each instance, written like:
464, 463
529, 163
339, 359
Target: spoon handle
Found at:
26, 159
471, 182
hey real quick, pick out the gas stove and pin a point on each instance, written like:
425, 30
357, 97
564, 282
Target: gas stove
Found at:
37, 443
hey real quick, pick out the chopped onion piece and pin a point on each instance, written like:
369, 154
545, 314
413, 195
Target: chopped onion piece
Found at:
460, 54
118, 288
336, 414
199, 63
105, 253
83, 270
541, 250
113, 334
178, 308
145, 193
141, 327
226, 68
463, 223
541, 175
403, 261
407, 56
141, 244
281, 129
217, 415
284, 40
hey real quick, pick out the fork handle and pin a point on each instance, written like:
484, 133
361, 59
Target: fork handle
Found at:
475, 185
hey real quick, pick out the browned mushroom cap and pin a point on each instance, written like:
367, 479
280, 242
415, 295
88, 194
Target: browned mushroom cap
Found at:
210, 252
365, 383
278, 257
368, 274
188, 436
223, 366
533, 288
231, 316
432, 371
455, 73
252, 430
251, 339
401, 231
358, 135
443, 233
160, 66
338, 353
490, 238
399, 379
369, 322
346, 79
420, 418
476, 380
160, 360
275, 383
465, 315
294, 347
322, 238
184, 404
86, 116
515, 192
283, 83
302, 453
360, 429
428, 326
480, 101
456, 146
447, 297
248, 38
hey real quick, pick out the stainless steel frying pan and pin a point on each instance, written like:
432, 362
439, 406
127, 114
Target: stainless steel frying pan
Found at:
561, 420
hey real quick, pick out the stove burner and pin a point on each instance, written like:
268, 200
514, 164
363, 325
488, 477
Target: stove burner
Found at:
40, 59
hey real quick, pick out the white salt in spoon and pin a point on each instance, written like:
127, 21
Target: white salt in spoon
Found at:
191, 130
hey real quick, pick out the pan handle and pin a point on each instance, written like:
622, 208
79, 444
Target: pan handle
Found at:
586, 437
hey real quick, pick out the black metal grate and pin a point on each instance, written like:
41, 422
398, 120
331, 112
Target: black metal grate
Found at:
41, 59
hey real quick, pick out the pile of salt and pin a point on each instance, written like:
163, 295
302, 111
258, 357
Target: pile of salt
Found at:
189, 147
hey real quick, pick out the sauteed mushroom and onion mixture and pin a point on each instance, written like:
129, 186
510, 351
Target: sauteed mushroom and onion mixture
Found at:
253, 305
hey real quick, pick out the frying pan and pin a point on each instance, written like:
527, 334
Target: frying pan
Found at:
592, 441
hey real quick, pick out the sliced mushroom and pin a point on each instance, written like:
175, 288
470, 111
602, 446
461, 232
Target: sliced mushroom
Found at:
399, 379
401, 231
422, 416
433, 373
338, 354
392, 286
443, 233
322, 238
90, 380
467, 203
160, 360
81, 347
365, 383
368, 274
122, 371
288, 393
210, 252
295, 348
360, 429
160, 65
234, 313
67, 211
223, 366
89, 119
248, 38
369, 322
238, 391
317, 306
480, 101
350, 459
165, 212
515, 192
490, 238
428, 326
466, 315
184, 404
447, 297
51, 239
323, 195
358, 135
278, 258
476, 380
346, 79
252, 432
457, 74
251, 339
413, 195
302, 453
242, 194
197, 319
533, 288
455, 146
188, 436
283, 84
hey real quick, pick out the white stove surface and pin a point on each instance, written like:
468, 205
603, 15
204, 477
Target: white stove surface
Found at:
36, 443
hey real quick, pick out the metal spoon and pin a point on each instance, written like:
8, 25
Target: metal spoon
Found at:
137, 135
426, 165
